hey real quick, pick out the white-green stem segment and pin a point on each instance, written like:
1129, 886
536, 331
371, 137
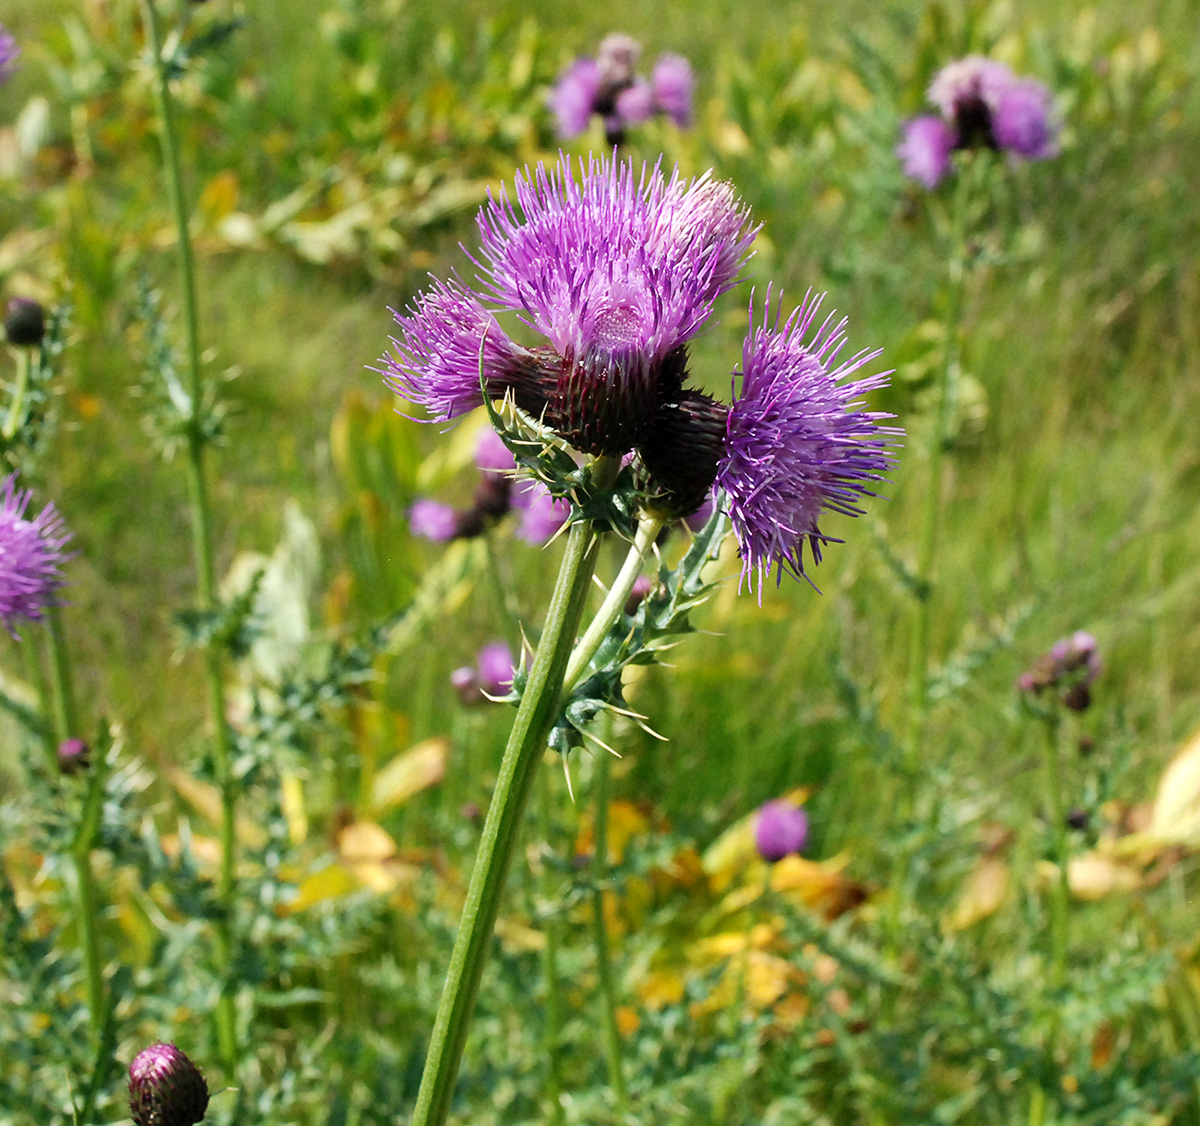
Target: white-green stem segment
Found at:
201, 536
614, 602
535, 715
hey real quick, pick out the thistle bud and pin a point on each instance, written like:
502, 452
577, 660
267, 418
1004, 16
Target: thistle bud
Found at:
166, 1088
74, 756
24, 322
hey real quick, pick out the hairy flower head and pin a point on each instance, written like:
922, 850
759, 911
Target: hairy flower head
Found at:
797, 442
616, 271
166, 1088
31, 553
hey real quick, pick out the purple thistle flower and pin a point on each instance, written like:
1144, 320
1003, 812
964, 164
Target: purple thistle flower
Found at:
574, 95
1070, 667
492, 456
796, 442
959, 85
9, 53
617, 272
74, 755
31, 552
673, 83
1021, 121
635, 103
781, 829
494, 665
983, 105
166, 1088
925, 151
433, 521
541, 514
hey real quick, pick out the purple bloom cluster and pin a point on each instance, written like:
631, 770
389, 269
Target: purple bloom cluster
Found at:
31, 552
617, 274
1068, 670
781, 829
9, 52
497, 494
982, 105
609, 86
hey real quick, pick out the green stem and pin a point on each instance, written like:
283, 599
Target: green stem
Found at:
201, 541
608, 1000
550, 929
535, 716
1060, 903
16, 410
66, 724
37, 674
938, 442
614, 602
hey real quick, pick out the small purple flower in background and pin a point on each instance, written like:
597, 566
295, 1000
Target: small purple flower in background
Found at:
74, 755
609, 87
541, 514
925, 151
494, 663
619, 274
166, 1088
983, 105
9, 52
1069, 670
491, 676
433, 521
31, 553
781, 829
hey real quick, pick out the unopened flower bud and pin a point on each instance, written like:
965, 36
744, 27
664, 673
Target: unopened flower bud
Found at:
166, 1088
24, 322
1078, 819
74, 756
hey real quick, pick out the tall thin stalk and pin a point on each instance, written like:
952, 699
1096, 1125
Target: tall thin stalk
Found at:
552, 1029
608, 1000
201, 536
938, 441
498, 841
66, 726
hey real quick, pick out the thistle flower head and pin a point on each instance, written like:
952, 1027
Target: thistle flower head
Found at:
925, 150
494, 665
74, 756
24, 322
797, 441
573, 97
9, 52
433, 521
617, 272
781, 829
1068, 670
31, 553
610, 87
166, 1088
983, 105
672, 84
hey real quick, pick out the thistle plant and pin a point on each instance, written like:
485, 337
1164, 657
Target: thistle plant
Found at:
616, 273
610, 88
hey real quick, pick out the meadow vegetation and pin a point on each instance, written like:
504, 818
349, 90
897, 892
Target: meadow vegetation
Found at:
906, 967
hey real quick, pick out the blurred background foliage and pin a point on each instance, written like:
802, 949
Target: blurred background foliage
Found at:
336, 153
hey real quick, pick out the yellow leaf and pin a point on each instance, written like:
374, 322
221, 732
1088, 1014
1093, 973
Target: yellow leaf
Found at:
409, 773
205, 799
329, 883
219, 197
365, 841
1175, 818
661, 987
984, 891
292, 801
